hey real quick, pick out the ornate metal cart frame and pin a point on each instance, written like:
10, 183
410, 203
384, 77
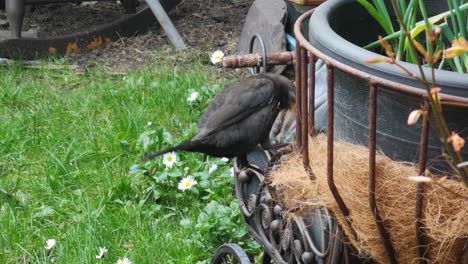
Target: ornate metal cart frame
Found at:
316, 238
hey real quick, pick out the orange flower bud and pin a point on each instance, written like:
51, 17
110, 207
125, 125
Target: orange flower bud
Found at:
437, 56
434, 34
457, 141
387, 47
421, 50
435, 90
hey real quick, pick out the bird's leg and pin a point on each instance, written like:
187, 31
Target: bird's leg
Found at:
276, 147
267, 144
288, 148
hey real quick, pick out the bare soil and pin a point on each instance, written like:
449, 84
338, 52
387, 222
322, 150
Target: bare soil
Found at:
50, 20
205, 25
60, 19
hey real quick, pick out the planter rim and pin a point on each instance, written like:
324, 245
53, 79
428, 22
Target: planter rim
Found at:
326, 42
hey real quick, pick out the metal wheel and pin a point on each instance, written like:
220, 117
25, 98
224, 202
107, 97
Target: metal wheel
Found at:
230, 253
256, 70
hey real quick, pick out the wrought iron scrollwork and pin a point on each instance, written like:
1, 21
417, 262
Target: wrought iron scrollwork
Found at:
307, 236
296, 237
230, 253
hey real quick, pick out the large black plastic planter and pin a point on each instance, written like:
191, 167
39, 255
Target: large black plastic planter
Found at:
338, 28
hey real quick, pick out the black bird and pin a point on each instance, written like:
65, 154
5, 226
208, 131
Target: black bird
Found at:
240, 117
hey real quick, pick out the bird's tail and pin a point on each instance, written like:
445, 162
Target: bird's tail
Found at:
182, 146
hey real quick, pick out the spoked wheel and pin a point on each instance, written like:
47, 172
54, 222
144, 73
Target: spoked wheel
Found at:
230, 254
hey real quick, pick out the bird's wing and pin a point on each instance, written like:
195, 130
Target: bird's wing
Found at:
235, 103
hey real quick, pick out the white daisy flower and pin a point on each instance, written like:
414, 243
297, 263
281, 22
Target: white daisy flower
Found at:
123, 261
169, 159
193, 96
217, 57
225, 159
102, 252
186, 183
50, 243
212, 168
150, 123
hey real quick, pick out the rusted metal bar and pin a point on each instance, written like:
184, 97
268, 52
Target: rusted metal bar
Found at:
333, 64
298, 96
311, 94
304, 112
394, 86
311, 108
421, 245
330, 148
389, 249
255, 60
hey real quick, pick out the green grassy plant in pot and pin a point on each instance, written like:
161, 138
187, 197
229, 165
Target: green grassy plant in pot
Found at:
340, 29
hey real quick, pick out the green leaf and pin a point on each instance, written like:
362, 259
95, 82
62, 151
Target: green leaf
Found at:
167, 137
205, 183
162, 176
376, 15
136, 169
145, 140
185, 223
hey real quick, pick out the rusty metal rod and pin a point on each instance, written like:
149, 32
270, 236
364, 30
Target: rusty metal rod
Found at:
390, 85
256, 60
421, 245
311, 108
312, 94
394, 86
298, 96
372, 175
304, 105
330, 148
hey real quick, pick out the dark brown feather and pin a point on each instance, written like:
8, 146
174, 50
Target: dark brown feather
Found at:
239, 117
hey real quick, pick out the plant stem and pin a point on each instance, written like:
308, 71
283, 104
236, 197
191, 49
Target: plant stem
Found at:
441, 124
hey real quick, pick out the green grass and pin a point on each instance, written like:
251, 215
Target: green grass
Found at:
67, 142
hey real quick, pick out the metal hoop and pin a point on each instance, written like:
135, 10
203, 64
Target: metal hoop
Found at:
256, 70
